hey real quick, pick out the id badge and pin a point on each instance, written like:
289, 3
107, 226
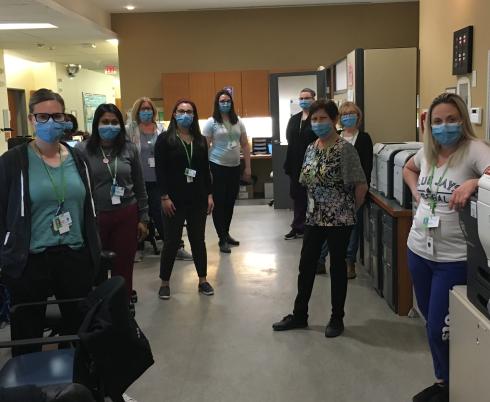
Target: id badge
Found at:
432, 221
190, 179
60, 225
190, 173
117, 191
151, 162
311, 204
430, 245
115, 200
232, 145
65, 219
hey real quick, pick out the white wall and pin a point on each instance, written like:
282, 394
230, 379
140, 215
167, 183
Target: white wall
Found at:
85, 81
3, 103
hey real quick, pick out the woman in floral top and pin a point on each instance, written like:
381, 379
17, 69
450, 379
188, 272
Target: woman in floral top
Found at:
336, 186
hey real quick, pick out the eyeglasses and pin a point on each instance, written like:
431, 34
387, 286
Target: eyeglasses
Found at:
44, 117
108, 122
189, 112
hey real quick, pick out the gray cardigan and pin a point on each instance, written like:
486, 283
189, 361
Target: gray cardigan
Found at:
129, 175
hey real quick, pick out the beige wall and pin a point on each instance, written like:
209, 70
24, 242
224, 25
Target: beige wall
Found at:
252, 39
438, 20
4, 105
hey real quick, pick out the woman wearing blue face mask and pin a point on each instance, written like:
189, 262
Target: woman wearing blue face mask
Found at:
442, 177
143, 131
184, 182
119, 189
226, 135
49, 241
336, 187
350, 121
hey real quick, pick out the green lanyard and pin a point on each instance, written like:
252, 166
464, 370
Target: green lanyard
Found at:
108, 164
189, 157
60, 195
433, 200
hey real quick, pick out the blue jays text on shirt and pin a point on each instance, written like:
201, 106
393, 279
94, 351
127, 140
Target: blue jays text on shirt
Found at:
446, 188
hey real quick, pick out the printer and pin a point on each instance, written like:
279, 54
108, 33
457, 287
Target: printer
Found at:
377, 148
476, 227
385, 165
401, 191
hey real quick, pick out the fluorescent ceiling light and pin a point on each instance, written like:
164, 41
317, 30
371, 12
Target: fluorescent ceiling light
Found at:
24, 25
129, 7
114, 42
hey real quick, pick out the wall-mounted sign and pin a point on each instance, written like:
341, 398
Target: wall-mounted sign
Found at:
463, 51
90, 103
110, 70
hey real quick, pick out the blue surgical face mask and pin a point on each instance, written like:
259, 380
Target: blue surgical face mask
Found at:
447, 134
51, 131
322, 130
184, 120
348, 120
305, 103
145, 115
109, 132
224, 107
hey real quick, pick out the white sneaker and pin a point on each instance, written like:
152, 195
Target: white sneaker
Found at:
127, 398
138, 257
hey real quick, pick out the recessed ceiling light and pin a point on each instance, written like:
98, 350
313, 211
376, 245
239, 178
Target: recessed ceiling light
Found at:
24, 25
129, 7
114, 42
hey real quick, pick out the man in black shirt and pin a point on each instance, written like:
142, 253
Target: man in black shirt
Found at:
299, 136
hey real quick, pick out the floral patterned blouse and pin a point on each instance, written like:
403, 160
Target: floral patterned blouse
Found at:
330, 176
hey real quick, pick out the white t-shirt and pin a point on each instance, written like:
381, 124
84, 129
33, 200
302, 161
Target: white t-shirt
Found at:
225, 141
449, 243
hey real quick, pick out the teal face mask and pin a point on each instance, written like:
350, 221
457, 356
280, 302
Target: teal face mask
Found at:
447, 134
348, 120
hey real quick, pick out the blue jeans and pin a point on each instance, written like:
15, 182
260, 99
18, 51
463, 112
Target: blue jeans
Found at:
432, 282
353, 245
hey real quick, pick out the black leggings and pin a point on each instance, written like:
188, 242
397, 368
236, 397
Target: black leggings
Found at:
195, 215
337, 238
226, 183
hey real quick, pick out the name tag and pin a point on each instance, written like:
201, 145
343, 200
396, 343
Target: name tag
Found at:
232, 145
117, 191
190, 172
151, 162
115, 200
62, 223
430, 245
432, 222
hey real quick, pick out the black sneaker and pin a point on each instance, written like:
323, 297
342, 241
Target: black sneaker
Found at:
293, 234
206, 289
289, 322
224, 247
432, 393
335, 327
164, 292
232, 242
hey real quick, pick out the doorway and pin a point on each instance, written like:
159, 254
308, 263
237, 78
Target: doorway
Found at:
18, 112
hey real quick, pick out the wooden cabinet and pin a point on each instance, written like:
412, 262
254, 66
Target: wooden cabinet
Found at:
255, 93
250, 91
233, 79
201, 87
174, 86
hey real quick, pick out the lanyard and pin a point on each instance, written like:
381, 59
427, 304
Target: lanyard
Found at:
229, 129
60, 195
433, 201
189, 157
108, 164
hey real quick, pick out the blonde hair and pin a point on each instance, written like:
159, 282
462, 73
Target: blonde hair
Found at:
351, 105
432, 147
137, 106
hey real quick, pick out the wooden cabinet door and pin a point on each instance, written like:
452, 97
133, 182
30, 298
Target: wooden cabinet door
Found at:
255, 93
174, 86
201, 88
233, 79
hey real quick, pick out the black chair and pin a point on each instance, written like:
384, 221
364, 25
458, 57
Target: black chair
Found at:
108, 339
